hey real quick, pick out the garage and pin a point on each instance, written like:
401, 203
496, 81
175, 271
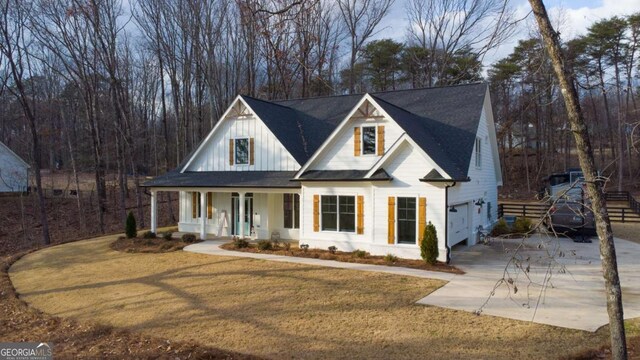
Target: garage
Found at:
458, 223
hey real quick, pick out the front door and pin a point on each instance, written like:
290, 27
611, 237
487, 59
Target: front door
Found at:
248, 211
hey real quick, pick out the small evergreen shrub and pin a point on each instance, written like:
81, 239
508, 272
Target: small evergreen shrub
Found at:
130, 226
240, 243
265, 245
500, 228
304, 247
189, 238
168, 235
333, 249
361, 254
522, 225
429, 244
390, 258
149, 235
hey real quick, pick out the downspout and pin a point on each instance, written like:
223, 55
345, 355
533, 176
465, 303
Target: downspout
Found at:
446, 220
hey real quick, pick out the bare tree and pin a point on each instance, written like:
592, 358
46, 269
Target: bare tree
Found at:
361, 18
594, 187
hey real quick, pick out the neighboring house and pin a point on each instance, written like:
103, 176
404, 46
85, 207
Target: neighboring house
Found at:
355, 171
14, 172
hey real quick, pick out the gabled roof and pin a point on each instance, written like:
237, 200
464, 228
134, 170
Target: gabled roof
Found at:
9, 151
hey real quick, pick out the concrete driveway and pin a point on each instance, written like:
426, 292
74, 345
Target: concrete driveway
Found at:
559, 282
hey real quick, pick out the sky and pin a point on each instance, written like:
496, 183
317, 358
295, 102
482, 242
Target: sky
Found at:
574, 15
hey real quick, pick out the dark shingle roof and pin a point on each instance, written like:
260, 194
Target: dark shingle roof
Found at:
344, 175
253, 179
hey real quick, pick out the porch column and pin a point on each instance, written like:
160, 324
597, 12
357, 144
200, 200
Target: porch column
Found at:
154, 211
203, 215
241, 214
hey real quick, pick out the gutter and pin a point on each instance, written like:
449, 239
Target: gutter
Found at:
446, 219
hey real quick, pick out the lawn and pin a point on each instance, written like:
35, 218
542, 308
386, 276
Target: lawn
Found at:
273, 309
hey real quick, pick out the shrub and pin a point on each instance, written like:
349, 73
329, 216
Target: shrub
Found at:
390, 258
333, 249
130, 226
240, 243
500, 228
149, 235
360, 254
189, 238
522, 225
287, 245
304, 247
265, 245
168, 235
429, 244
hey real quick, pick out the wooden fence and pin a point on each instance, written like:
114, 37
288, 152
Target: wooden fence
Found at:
537, 210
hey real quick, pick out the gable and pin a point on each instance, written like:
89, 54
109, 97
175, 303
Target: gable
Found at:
240, 121
8, 156
406, 164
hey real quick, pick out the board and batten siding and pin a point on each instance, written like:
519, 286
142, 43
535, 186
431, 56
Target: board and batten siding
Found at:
270, 154
339, 153
483, 183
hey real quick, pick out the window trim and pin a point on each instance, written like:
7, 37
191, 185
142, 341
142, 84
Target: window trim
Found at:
375, 139
235, 157
478, 152
355, 214
397, 228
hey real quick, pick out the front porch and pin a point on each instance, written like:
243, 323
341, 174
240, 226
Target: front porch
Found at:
253, 213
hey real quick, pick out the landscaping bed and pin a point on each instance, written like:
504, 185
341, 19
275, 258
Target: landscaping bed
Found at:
358, 256
151, 244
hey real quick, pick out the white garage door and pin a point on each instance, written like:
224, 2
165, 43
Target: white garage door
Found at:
458, 224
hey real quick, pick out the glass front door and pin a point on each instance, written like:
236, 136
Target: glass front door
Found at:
248, 210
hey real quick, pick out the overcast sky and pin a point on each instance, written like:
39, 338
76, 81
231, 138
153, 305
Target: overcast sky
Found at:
577, 15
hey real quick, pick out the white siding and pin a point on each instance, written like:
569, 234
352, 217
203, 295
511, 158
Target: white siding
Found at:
270, 154
483, 183
338, 155
402, 168
14, 174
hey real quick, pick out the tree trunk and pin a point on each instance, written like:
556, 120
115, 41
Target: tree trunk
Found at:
594, 187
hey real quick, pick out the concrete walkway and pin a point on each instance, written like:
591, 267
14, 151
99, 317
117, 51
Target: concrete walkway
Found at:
212, 247
562, 287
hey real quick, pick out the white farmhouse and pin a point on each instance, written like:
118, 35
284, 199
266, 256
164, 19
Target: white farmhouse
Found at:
14, 172
354, 171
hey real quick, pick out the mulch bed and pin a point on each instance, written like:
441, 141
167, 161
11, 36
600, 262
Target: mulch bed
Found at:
73, 340
141, 245
346, 257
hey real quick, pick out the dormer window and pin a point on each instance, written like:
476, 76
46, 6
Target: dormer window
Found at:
368, 140
242, 151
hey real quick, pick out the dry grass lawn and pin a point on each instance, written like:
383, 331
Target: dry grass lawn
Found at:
627, 231
273, 309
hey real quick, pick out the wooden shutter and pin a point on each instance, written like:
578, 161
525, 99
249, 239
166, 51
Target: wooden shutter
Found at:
357, 141
392, 221
194, 205
360, 226
380, 140
230, 151
251, 152
316, 213
422, 217
209, 205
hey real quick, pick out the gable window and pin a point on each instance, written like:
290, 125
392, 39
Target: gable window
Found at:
368, 140
338, 213
241, 151
478, 151
291, 211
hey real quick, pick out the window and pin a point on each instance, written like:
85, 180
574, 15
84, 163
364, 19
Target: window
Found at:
489, 211
478, 152
406, 220
368, 140
338, 213
291, 211
241, 151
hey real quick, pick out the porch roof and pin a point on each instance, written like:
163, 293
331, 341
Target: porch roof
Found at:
344, 175
231, 179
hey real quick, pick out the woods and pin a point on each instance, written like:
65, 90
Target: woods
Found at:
129, 89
